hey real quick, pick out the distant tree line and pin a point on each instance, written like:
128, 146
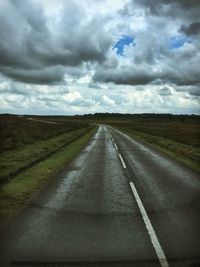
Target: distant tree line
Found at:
108, 115
135, 116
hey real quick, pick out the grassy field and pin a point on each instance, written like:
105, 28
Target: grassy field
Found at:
25, 140
186, 132
33, 150
14, 161
18, 192
178, 137
18, 131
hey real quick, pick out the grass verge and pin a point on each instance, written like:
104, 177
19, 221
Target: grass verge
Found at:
15, 161
18, 192
186, 154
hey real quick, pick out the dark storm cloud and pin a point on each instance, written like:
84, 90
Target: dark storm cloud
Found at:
195, 91
191, 29
28, 43
51, 76
124, 76
171, 7
182, 3
143, 76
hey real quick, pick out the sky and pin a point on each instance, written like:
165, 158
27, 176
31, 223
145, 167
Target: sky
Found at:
75, 57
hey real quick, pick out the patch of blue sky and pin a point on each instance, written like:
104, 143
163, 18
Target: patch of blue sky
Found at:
178, 41
122, 42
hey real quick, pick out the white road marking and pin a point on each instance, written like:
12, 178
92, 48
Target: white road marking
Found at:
113, 141
111, 137
154, 240
116, 146
122, 161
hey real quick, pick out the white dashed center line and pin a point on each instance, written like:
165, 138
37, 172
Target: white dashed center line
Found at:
116, 146
154, 240
122, 161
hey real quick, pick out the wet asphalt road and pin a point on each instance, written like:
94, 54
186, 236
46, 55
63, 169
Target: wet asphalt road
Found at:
88, 216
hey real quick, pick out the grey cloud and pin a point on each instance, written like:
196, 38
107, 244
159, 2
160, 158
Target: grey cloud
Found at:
27, 41
53, 93
151, 61
164, 91
61, 90
47, 98
182, 3
16, 91
136, 76
170, 7
75, 72
191, 29
126, 76
95, 86
51, 75
139, 88
75, 41
82, 102
195, 91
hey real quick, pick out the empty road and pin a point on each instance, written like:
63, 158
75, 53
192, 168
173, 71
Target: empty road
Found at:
119, 203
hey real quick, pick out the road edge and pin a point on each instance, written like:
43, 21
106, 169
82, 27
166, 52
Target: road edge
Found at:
18, 193
192, 165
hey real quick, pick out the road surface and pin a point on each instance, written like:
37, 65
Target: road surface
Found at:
119, 203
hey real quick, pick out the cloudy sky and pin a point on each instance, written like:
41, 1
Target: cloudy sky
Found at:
86, 56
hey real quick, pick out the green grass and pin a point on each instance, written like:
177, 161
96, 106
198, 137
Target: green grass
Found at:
186, 132
14, 160
18, 131
18, 192
188, 155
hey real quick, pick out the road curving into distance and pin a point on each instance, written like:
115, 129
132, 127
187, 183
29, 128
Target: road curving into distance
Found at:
119, 203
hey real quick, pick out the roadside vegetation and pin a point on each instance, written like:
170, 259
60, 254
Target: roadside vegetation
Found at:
178, 137
15, 161
18, 192
26, 141
36, 151
18, 131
